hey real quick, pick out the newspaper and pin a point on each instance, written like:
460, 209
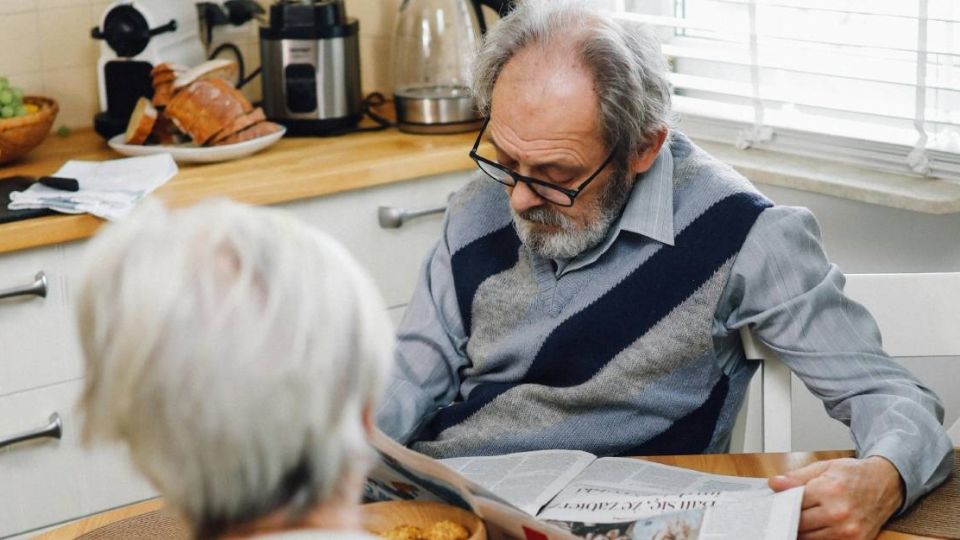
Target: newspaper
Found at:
564, 494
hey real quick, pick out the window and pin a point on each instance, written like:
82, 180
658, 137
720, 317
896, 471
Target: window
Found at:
873, 82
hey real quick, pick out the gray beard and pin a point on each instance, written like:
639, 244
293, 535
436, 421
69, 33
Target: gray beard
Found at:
572, 239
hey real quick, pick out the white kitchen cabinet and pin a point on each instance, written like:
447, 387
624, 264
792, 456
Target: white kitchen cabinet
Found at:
38, 344
392, 256
48, 481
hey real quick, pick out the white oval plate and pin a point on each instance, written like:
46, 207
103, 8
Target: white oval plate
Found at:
189, 153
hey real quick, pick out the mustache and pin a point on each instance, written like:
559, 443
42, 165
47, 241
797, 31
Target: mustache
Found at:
544, 215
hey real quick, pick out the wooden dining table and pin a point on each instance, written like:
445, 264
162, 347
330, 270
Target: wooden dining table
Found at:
756, 465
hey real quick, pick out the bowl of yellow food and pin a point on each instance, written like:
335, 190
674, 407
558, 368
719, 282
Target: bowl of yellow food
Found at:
24, 121
420, 520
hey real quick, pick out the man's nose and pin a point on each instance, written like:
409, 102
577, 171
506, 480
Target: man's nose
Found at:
523, 198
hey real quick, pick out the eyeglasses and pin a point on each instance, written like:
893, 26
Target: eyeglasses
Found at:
548, 191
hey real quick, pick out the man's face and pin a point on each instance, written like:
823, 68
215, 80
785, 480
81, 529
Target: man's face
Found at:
544, 124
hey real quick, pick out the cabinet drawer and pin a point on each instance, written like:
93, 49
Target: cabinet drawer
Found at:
392, 256
47, 481
38, 343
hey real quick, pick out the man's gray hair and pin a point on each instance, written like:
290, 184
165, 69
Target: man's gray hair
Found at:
235, 351
629, 70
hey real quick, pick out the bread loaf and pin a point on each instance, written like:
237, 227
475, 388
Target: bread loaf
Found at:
206, 107
164, 131
141, 122
239, 124
162, 92
163, 76
255, 131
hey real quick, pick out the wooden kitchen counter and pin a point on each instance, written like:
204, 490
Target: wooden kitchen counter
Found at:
293, 169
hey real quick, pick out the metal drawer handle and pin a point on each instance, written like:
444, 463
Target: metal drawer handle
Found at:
53, 430
37, 288
392, 217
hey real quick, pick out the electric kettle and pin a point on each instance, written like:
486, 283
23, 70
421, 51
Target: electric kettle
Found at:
434, 45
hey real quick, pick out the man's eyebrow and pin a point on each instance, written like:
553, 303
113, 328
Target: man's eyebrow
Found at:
567, 167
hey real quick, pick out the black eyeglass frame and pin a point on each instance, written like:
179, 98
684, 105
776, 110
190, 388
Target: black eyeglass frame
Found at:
517, 177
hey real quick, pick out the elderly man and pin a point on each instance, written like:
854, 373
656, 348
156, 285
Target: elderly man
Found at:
237, 353
587, 292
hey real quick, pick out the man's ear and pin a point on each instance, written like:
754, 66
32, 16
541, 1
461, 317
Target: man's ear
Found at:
641, 162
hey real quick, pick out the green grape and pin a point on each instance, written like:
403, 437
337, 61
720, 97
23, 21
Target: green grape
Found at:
4, 83
20, 111
6, 96
7, 111
17, 94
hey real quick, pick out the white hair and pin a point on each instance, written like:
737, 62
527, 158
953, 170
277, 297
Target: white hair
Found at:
628, 67
571, 238
234, 350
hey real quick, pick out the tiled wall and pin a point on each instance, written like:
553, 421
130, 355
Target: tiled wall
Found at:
46, 49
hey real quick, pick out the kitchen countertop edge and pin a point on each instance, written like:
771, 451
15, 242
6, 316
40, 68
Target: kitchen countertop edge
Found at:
299, 168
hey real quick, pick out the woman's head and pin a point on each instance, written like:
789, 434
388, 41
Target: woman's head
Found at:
236, 352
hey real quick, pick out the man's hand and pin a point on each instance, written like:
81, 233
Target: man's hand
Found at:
844, 498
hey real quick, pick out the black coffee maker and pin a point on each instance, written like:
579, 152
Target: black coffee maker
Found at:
135, 36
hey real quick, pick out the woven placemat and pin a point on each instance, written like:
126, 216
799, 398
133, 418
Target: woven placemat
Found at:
159, 524
937, 514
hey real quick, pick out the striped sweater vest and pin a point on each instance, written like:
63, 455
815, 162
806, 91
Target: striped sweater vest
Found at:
616, 358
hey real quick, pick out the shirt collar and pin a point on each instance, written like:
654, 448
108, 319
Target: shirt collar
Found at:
648, 212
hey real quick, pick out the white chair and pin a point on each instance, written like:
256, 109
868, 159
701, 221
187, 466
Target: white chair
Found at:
918, 316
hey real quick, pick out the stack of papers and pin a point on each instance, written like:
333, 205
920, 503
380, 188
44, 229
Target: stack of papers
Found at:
108, 189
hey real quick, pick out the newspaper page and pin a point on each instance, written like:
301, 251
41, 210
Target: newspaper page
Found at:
639, 476
402, 474
618, 497
527, 480
766, 517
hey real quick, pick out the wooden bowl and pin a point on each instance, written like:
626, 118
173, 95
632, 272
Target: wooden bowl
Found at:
22, 134
382, 516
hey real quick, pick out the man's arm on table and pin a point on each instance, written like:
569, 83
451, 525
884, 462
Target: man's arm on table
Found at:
785, 289
429, 353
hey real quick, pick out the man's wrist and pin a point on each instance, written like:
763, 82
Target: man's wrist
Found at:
895, 489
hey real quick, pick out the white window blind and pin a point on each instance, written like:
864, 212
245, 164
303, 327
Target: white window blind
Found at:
873, 82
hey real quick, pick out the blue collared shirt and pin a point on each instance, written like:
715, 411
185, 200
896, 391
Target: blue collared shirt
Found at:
783, 286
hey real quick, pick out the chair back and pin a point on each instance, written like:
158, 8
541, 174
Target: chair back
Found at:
918, 316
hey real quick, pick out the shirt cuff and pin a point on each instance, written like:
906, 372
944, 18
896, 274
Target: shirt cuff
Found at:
922, 464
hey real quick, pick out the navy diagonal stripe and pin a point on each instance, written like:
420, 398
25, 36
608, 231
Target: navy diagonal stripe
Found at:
583, 344
478, 260
441, 421
690, 434
580, 346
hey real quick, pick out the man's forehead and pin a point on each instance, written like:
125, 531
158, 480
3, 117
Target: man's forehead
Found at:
547, 74
539, 92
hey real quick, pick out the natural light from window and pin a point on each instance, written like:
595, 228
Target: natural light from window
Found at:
876, 82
